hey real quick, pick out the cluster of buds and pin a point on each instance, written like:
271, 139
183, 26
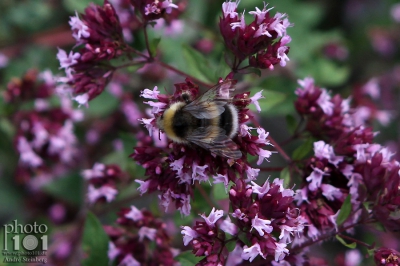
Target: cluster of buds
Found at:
98, 33
43, 204
127, 18
101, 34
260, 214
264, 40
140, 239
29, 88
136, 14
173, 168
103, 181
45, 140
347, 163
153, 9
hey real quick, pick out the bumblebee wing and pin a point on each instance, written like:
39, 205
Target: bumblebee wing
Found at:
211, 103
214, 139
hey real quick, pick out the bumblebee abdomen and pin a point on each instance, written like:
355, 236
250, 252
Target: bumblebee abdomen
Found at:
229, 120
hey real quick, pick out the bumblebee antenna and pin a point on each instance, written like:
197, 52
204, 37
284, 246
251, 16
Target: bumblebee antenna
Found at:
165, 89
159, 134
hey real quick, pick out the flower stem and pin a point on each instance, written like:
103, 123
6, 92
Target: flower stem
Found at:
321, 238
131, 64
167, 66
357, 241
183, 74
205, 195
146, 38
297, 133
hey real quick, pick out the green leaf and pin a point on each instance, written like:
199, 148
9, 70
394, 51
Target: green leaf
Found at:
68, 188
79, 5
229, 58
199, 202
366, 204
94, 242
129, 141
345, 211
33, 55
7, 128
197, 65
31, 15
331, 73
187, 258
153, 46
219, 191
122, 158
291, 123
103, 105
223, 68
303, 150
245, 239
271, 99
371, 252
285, 175
326, 72
128, 191
341, 240
134, 69
230, 246
116, 157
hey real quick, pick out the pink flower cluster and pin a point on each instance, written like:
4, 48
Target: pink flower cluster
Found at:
369, 97
153, 10
140, 239
102, 181
345, 162
30, 87
264, 40
173, 168
136, 14
98, 33
260, 213
45, 138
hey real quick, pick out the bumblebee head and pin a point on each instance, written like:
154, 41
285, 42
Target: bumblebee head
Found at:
186, 97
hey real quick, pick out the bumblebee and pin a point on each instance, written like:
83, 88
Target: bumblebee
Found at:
209, 121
